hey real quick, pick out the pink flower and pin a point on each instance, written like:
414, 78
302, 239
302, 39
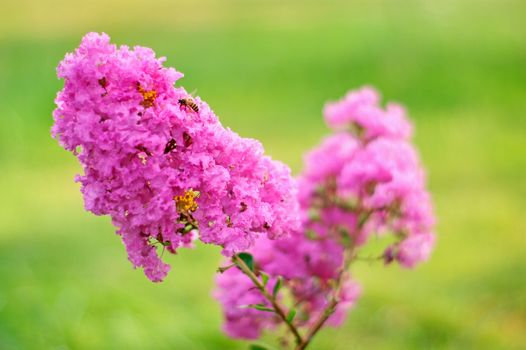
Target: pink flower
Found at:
349, 294
361, 111
236, 293
159, 162
415, 249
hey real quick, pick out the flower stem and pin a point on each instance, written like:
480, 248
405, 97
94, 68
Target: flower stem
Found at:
271, 299
349, 255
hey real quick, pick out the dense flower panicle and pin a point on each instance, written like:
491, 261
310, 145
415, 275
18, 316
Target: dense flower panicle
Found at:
159, 162
365, 178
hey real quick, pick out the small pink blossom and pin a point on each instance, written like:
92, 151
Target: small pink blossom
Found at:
237, 294
415, 249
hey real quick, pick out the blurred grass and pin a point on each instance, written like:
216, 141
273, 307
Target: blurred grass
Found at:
267, 68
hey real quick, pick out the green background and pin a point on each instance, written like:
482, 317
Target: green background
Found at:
267, 68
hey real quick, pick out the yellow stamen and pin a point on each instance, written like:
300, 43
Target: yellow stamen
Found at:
187, 202
148, 96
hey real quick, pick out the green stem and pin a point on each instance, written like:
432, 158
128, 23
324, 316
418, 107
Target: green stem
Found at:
271, 299
348, 257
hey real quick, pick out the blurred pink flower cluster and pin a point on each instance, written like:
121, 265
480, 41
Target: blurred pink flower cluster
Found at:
365, 179
369, 171
160, 163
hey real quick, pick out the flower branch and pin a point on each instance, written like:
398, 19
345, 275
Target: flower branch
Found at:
333, 302
271, 298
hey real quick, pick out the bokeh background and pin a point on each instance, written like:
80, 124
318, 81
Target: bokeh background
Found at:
267, 67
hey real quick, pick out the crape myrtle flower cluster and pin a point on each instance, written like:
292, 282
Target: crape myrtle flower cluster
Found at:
159, 162
363, 180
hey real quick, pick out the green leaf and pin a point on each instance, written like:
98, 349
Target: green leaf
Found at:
310, 234
277, 287
264, 279
257, 347
314, 214
350, 203
248, 259
262, 307
291, 315
363, 217
345, 235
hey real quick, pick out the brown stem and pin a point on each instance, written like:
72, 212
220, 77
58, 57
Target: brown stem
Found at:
370, 259
349, 255
329, 310
275, 305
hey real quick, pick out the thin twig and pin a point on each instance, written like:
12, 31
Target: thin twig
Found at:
222, 269
275, 305
370, 258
